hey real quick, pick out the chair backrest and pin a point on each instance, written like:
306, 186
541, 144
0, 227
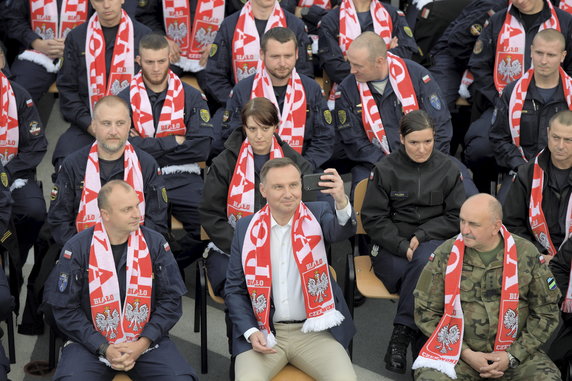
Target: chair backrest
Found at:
359, 196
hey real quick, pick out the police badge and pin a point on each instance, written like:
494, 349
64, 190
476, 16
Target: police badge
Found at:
214, 48
4, 178
408, 31
435, 102
205, 116
328, 116
342, 116
164, 195
63, 282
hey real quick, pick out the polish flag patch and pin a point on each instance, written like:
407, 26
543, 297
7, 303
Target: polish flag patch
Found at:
426, 78
67, 254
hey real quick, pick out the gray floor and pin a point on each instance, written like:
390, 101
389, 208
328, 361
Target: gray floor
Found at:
373, 319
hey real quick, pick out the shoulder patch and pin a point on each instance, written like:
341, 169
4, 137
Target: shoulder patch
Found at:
408, 31
67, 254
4, 178
226, 116
541, 259
142, 3
205, 115
426, 78
432, 257
29, 103
63, 281
371, 176
342, 117
328, 116
35, 128
203, 96
478, 47
164, 195
400, 13
166, 246
551, 283
214, 48
435, 102
425, 12
476, 29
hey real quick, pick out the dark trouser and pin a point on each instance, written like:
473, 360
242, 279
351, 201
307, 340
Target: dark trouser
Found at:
4, 365
164, 363
359, 172
184, 201
217, 264
400, 275
29, 210
468, 183
478, 151
32, 77
70, 141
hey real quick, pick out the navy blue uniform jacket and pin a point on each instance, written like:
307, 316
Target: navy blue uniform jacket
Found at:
72, 77
318, 134
166, 150
32, 145
349, 115
71, 304
66, 195
236, 293
482, 64
220, 75
331, 56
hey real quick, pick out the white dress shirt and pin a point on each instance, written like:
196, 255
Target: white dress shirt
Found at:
286, 284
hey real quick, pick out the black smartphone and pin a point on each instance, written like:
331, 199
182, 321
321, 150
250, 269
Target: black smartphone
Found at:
310, 182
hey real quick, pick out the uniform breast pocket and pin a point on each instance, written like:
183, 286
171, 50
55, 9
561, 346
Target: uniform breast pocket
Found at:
528, 125
436, 198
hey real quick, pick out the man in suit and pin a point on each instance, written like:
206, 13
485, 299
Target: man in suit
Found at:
307, 323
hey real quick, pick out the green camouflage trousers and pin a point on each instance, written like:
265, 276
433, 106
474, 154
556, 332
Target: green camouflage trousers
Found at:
538, 367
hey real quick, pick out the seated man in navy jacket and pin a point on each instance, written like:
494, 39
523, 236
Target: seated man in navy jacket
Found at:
115, 293
298, 98
283, 304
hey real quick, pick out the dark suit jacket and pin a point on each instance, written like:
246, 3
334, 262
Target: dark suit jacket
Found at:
236, 293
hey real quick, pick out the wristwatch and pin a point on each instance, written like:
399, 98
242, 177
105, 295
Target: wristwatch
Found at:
512, 361
102, 350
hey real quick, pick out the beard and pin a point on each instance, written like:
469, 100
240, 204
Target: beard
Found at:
153, 81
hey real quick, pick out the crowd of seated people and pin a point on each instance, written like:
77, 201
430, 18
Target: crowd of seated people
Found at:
211, 112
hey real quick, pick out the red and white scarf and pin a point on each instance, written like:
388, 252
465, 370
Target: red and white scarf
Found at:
122, 63
539, 225
119, 324
88, 212
400, 81
246, 41
309, 252
9, 130
350, 29
324, 4
443, 349
518, 97
192, 41
172, 118
46, 24
509, 59
240, 199
566, 5
293, 114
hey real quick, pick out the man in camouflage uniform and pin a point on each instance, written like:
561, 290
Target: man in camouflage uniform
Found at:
480, 292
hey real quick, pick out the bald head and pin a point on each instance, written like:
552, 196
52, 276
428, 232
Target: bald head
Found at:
550, 35
481, 220
371, 44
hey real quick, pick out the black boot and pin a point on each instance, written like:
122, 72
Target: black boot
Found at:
396, 355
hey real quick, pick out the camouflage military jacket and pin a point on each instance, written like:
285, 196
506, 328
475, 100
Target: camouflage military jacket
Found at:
480, 295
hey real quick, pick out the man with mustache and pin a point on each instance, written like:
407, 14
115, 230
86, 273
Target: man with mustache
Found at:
487, 301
